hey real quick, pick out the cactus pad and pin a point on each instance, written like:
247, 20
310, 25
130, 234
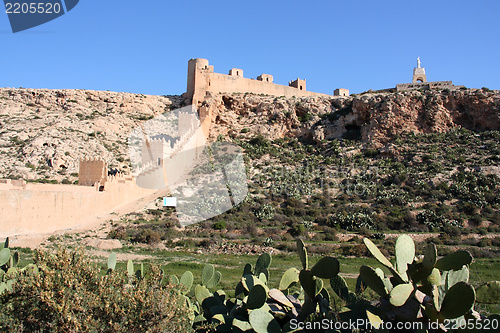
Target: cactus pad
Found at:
130, 267
400, 294
326, 268
247, 269
263, 322
201, 293
290, 277
172, 279
458, 301
279, 297
263, 262
339, 286
373, 280
376, 252
430, 256
454, 261
435, 277
4, 256
111, 261
405, 253
256, 298
186, 282
453, 277
308, 283
207, 274
301, 248
215, 280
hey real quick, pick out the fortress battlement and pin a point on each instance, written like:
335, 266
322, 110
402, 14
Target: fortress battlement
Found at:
202, 79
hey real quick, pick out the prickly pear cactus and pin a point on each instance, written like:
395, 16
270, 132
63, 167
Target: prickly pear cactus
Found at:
301, 248
405, 253
289, 278
326, 268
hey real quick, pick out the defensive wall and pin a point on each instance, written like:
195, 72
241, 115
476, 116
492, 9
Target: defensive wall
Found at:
202, 78
425, 85
165, 163
32, 208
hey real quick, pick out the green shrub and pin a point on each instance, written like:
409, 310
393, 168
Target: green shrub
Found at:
298, 229
304, 118
260, 141
69, 294
220, 225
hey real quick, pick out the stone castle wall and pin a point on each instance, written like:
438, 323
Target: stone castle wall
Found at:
425, 85
201, 78
31, 208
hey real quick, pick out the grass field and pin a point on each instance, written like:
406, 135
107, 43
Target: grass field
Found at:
231, 267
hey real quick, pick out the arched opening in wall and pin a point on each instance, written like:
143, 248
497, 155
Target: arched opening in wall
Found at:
300, 87
267, 79
209, 83
420, 80
101, 188
237, 73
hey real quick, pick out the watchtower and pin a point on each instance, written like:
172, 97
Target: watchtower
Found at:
299, 84
236, 72
341, 92
265, 78
92, 171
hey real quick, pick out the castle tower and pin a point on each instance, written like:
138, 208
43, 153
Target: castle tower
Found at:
419, 73
195, 68
92, 171
299, 84
265, 78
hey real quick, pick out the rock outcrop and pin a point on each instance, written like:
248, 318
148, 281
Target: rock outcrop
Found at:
372, 118
44, 133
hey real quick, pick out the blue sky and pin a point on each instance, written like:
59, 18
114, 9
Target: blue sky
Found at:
143, 46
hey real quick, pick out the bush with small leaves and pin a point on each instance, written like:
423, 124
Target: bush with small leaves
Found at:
68, 293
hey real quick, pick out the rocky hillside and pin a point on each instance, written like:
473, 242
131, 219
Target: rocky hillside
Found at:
45, 132
372, 118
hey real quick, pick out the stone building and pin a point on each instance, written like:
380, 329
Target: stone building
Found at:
341, 92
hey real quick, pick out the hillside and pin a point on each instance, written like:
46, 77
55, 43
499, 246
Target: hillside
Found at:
45, 132
373, 118
389, 153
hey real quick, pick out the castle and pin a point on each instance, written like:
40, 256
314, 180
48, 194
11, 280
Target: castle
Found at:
201, 79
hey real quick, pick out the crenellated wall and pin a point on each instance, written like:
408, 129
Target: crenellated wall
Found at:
91, 171
201, 78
